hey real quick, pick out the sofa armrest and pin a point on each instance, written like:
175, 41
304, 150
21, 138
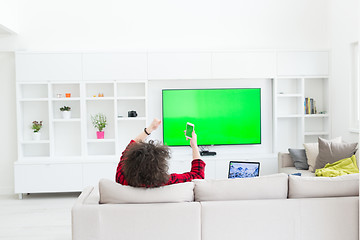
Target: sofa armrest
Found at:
83, 196
284, 160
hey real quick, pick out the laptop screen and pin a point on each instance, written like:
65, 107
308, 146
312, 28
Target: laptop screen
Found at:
243, 169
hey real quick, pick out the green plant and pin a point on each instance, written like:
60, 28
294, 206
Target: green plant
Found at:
36, 126
65, 108
99, 121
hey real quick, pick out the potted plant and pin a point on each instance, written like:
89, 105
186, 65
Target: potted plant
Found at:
36, 126
66, 112
99, 122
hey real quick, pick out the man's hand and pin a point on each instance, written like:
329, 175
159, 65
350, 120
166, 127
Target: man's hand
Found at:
193, 140
194, 146
154, 125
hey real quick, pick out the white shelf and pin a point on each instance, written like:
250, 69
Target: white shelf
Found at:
291, 116
99, 98
316, 115
67, 120
35, 142
316, 133
66, 99
289, 95
131, 118
34, 160
33, 99
100, 140
131, 98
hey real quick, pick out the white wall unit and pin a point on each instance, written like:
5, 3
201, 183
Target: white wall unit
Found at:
48, 177
294, 126
303, 63
114, 66
38, 67
244, 64
179, 65
69, 156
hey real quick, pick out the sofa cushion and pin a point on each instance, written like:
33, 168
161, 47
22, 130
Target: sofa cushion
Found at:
112, 192
330, 152
264, 187
316, 187
299, 158
312, 151
292, 170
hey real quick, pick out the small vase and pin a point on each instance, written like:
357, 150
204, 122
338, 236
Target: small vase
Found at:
36, 136
66, 114
100, 135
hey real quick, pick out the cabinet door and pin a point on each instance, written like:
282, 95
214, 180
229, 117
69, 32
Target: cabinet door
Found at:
303, 63
179, 65
244, 64
93, 172
35, 67
114, 66
37, 178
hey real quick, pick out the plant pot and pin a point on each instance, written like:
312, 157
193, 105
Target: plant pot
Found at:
36, 136
100, 135
66, 114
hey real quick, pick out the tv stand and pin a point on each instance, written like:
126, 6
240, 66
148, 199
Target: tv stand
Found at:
207, 153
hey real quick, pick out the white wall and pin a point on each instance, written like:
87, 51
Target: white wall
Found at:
162, 24
344, 30
156, 25
8, 147
8, 14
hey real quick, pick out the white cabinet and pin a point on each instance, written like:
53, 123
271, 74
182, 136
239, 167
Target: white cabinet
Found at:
69, 156
179, 66
38, 67
114, 66
292, 124
302, 63
244, 65
48, 177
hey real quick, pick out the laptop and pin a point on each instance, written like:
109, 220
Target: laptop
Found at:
238, 169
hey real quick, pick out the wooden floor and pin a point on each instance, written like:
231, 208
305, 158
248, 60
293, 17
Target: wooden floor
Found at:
36, 216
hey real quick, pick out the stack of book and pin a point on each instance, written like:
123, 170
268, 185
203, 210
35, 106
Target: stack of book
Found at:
310, 106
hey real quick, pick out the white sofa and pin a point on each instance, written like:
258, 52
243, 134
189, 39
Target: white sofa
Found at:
270, 207
286, 165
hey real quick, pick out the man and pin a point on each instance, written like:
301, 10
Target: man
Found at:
145, 164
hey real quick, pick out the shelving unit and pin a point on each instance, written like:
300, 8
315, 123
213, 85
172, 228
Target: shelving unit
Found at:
69, 156
68, 141
293, 126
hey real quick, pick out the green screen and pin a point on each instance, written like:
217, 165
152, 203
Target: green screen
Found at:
220, 116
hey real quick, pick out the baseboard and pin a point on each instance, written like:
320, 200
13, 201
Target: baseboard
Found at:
6, 191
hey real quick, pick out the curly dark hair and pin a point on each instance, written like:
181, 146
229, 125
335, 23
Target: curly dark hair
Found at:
146, 164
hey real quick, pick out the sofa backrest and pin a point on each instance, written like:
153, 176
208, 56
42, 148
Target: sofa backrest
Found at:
265, 187
319, 187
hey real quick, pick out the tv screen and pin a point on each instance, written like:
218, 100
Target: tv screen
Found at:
220, 116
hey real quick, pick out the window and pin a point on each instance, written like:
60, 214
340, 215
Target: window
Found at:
355, 96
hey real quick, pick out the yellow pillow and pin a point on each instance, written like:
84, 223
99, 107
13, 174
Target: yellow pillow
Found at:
341, 167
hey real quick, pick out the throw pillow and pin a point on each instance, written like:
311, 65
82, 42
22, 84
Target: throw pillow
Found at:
299, 158
316, 187
330, 152
112, 192
265, 187
312, 150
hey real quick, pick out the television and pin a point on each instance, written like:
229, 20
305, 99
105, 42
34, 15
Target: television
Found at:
224, 116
